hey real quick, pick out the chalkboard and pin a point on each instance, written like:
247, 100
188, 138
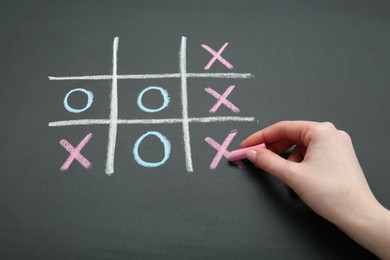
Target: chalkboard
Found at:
117, 116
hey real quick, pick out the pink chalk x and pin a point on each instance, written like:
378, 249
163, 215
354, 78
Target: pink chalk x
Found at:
75, 153
217, 56
222, 99
222, 150
240, 153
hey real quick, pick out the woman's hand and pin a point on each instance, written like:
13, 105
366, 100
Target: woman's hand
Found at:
325, 173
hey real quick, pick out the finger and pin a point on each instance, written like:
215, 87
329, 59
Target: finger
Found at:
295, 131
271, 163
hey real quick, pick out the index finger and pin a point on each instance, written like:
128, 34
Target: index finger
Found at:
294, 131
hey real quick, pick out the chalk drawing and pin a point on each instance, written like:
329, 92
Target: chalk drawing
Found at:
184, 103
75, 153
151, 121
217, 56
163, 92
113, 127
75, 110
113, 121
222, 99
163, 140
222, 150
159, 76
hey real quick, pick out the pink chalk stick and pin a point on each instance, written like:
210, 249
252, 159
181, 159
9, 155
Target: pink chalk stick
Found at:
240, 153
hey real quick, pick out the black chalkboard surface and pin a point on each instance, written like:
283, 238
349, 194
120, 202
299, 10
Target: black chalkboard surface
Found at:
116, 117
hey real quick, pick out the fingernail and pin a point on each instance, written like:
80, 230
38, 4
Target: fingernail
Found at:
251, 155
243, 141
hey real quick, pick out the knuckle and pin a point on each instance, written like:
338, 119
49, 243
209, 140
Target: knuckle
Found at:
345, 136
325, 128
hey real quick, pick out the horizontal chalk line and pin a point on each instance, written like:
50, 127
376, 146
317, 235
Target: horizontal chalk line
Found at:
158, 76
150, 121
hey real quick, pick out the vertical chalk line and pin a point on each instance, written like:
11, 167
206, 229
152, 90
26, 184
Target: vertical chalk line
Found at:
113, 127
184, 103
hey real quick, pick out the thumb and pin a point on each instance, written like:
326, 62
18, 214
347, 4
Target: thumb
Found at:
270, 162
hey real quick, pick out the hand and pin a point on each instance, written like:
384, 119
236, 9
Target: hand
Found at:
324, 171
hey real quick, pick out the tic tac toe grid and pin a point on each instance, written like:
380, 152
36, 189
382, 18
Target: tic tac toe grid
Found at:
113, 121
